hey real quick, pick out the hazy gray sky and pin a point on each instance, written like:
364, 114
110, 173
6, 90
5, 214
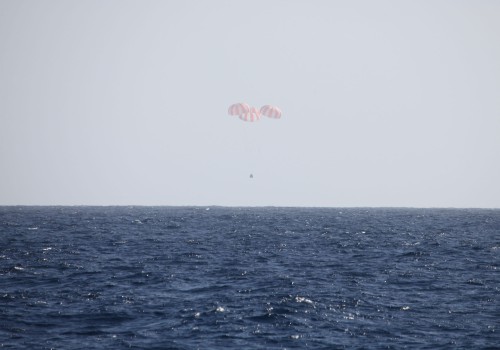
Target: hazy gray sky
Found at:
385, 103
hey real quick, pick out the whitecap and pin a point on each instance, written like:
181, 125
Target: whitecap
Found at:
303, 300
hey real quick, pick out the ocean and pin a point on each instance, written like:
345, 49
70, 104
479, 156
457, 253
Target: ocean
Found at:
250, 278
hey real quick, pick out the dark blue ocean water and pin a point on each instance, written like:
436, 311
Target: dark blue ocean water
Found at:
260, 278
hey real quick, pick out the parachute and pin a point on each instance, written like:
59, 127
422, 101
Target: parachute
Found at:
238, 109
270, 111
252, 114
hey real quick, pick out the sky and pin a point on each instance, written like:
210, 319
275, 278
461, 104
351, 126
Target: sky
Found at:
390, 103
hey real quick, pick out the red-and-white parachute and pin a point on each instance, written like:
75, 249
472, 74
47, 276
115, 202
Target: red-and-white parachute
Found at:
238, 109
271, 111
252, 114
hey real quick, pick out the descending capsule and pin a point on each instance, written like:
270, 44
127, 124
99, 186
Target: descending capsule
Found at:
238, 109
270, 111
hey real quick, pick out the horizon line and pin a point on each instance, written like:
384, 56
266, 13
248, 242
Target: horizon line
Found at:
241, 206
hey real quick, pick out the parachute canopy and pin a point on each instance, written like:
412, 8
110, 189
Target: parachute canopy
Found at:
238, 109
252, 114
270, 111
